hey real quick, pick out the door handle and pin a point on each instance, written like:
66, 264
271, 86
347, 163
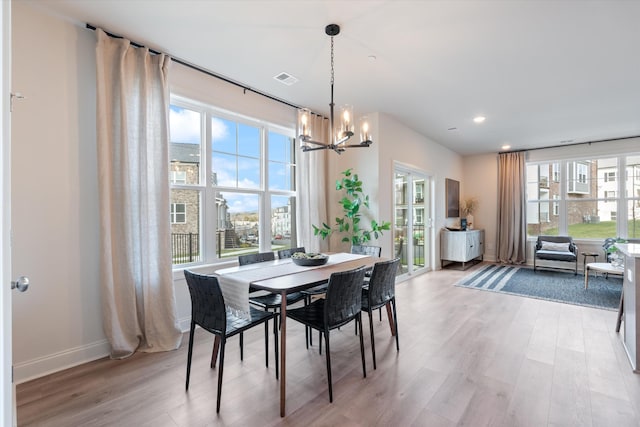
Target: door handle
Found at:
22, 284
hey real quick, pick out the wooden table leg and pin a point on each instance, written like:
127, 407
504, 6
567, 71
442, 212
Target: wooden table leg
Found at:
283, 352
392, 324
586, 277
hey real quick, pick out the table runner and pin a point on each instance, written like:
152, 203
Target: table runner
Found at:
235, 284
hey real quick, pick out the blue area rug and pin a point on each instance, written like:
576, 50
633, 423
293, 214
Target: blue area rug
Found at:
548, 285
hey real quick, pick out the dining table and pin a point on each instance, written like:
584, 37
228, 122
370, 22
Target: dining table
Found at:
284, 277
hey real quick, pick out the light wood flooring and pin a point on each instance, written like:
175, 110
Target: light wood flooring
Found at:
467, 357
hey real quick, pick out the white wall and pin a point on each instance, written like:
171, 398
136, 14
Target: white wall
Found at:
480, 180
55, 202
58, 323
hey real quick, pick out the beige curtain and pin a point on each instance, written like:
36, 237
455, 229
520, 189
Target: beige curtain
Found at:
512, 223
311, 176
138, 301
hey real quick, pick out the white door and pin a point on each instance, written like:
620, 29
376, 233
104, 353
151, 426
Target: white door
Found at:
413, 234
7, 411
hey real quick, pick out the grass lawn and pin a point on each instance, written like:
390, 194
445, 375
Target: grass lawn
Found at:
602, 230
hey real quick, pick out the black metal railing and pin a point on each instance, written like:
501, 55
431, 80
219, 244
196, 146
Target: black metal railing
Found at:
185, 247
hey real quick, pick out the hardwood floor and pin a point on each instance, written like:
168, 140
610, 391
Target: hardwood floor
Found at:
466, 357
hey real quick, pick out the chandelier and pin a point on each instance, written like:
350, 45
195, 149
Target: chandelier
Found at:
341, 132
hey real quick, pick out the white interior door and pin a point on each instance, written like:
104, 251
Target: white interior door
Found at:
7, 409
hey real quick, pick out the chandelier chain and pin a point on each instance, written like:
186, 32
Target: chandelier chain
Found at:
332, 79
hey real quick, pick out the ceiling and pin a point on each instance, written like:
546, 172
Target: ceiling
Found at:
543, 73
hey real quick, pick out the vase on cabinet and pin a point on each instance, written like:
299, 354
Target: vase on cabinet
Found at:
469, 222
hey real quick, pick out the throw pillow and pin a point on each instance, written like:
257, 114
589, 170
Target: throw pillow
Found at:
556, 247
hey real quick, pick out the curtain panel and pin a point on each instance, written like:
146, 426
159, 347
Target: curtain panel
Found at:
512, 223
311, 176
138, 301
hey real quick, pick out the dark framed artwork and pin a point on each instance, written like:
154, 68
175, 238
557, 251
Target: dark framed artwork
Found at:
452, 190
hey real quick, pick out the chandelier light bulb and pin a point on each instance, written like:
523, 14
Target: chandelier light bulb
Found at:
365, 131
304, 120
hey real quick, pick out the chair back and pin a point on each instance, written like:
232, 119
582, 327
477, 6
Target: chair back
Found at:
344, 297
286, 253
554, 239
207, 303
254, 258
382, 285
373, 251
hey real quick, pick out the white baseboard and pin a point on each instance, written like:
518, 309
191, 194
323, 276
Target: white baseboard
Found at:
41, 366
49, 364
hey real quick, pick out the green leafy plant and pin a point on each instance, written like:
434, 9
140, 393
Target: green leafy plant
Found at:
612, 247
352, 204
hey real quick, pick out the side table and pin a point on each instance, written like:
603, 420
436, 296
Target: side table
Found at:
584, 260
603, 267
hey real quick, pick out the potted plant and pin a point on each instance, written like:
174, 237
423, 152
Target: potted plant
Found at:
613, 253
352, 204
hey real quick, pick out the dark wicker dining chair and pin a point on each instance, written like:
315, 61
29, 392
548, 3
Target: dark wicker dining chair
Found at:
209, 311
287, 253
268, 301
254, 258
341, 305
380, 292
374, 251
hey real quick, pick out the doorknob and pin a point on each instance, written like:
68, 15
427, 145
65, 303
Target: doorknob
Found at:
22, 284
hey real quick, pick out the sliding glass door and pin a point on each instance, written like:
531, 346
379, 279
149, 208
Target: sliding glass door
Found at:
412, 232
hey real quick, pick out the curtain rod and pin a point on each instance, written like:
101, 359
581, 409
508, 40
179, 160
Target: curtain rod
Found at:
202, 70
569, 145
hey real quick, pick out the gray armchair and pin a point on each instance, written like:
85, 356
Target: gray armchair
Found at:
556, 248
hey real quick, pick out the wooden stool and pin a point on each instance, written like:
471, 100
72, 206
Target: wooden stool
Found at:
588, 254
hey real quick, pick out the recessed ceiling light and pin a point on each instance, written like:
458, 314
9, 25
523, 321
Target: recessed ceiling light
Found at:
479, 119
506, 146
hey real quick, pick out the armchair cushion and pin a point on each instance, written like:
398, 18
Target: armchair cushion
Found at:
554, 247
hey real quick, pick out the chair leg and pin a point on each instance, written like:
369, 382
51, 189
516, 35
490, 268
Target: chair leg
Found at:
241, 345
380, 313
189, 354
320, 344
359, 321
395, 322
266, 344
328, 357
220, 370
216, 350
373, 345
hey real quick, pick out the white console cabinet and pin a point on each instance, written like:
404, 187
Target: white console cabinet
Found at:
461, 246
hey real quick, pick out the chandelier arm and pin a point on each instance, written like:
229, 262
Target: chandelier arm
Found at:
309, 141
363, 144
306, 148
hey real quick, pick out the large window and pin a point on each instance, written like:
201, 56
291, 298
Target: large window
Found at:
235, 178
585, 198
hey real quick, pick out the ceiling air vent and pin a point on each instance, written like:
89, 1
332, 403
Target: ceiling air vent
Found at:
285, 78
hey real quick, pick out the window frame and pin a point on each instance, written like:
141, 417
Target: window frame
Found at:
613, 194
208, 190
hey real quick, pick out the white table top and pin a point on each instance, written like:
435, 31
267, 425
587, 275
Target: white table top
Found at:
605, 267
